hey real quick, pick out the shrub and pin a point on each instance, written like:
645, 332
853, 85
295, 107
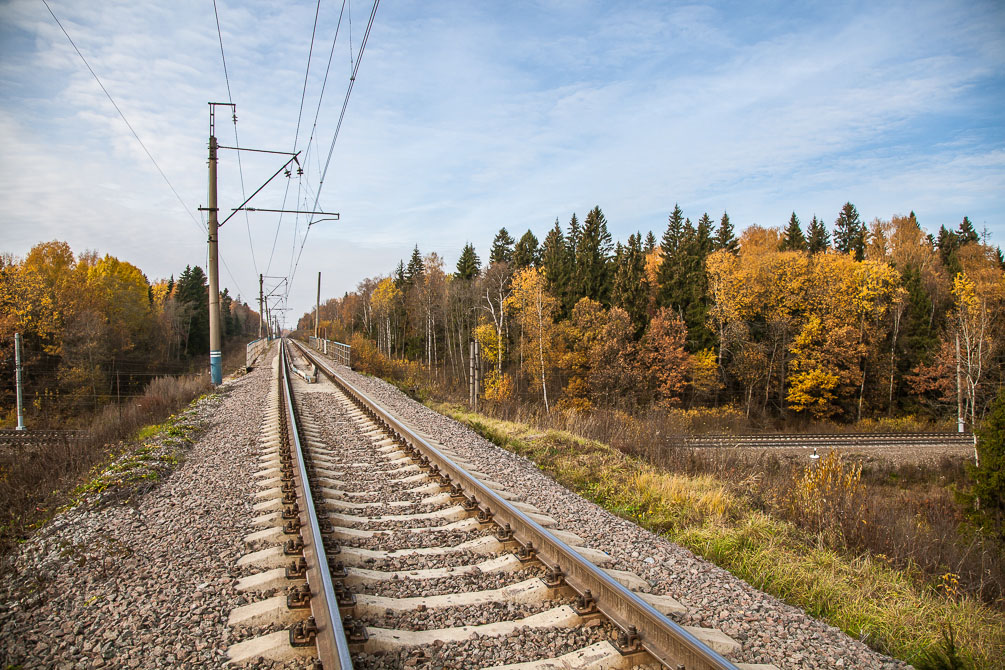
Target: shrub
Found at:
989, 475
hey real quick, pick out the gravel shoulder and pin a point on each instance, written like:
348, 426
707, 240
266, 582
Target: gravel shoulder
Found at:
141, 575
147, 579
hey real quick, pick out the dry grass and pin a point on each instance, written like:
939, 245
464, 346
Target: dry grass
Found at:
894, 609
35, 483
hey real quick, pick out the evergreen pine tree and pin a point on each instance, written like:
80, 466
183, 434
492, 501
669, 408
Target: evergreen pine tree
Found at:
469, 265
526, 253
557, 267
415, 268
170, 286
724, 237
818, 239
849, 232
592, 259
671, 270
225, 313
704, 241
572, 238
650, 242
502, 248
989, 476
399, 275
949, 243
193, 290
629, 290
694, 289
966, 233
918, 339
793, 239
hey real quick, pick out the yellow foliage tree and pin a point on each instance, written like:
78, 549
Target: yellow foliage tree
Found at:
535, 309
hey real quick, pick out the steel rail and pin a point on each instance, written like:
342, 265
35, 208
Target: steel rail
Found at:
838, 439
333, 649
665, 640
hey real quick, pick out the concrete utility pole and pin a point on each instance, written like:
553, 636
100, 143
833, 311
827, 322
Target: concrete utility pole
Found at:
17, 375
317, 310
215, 352
260, 313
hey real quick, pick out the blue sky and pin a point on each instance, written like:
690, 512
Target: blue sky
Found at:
469, 116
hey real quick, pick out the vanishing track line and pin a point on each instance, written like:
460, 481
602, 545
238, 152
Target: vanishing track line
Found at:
380, 548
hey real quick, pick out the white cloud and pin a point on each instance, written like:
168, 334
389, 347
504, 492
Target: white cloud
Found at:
466, 118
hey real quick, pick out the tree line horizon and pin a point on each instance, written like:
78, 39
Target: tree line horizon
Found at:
862, 321
95, 329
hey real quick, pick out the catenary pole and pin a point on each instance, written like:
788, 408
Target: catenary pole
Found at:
317, 310
260, 308
215, 353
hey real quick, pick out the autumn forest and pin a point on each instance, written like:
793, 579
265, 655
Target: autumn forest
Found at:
95, 330
786, 325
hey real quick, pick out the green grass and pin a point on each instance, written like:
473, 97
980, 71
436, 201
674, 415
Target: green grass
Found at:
862, 595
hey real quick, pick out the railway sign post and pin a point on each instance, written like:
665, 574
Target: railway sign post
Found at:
17, 375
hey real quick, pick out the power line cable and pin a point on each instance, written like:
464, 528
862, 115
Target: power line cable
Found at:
314, 125
338, 127
237, 143
124, 119
296, 136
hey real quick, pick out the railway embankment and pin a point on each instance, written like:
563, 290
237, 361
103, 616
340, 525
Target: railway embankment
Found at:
137, 571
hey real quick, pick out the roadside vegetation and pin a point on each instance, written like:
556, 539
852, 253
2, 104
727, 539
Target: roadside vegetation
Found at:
599, 360
793, 534
107, 353
909, 557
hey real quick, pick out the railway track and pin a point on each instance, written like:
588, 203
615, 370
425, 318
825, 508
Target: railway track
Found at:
380, 548
833, 440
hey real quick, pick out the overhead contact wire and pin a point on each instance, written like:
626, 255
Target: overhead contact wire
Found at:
124, 119
237, 143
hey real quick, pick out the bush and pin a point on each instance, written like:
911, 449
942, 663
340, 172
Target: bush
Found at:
989, 475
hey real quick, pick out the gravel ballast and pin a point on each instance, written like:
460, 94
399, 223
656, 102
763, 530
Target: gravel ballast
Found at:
145, 581
769, 630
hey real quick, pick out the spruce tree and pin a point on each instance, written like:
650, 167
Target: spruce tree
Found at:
918, 339
704, 241
966, 233
629, 290
572, 237
592, 259
650, 242
696, 285
557, 267
793, 239
399, 275
469, 265
672, 267
502, 248
724, 237
415, 268
849, 232
989, 475
193, 290
526, 253
818, 239
948, 243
